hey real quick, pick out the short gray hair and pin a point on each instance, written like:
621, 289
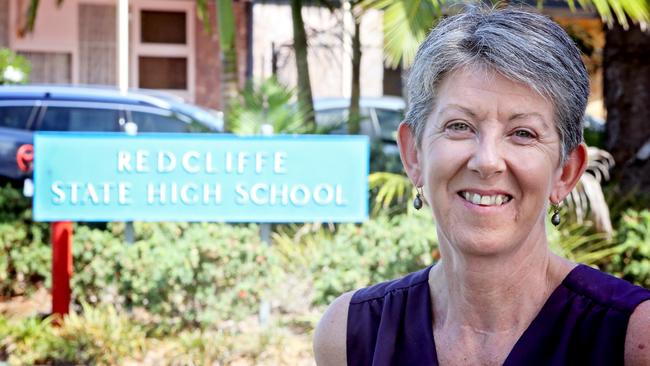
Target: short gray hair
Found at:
522, 46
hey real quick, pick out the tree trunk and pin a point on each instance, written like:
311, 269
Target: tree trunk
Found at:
229, 78
626, 64
305, 101
355, 116
229, 82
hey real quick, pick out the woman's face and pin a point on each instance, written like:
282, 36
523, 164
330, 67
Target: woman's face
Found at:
489, 161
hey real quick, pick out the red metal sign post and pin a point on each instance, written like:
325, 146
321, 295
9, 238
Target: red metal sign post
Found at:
61, 266
61, 233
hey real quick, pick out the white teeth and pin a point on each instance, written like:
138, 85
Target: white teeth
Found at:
486, 200
498, 200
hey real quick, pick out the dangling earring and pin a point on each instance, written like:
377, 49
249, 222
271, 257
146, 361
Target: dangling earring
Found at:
417, 202
555, 219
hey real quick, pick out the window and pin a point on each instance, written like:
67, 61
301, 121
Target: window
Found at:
333, 118
152, 122
163, 72
163, 27
15, 117
337, 119
389, 120
163, 46
79, 119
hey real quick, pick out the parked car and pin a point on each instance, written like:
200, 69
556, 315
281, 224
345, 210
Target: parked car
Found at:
380, 116
29, 108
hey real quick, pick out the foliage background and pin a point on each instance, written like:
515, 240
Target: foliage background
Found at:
186, 294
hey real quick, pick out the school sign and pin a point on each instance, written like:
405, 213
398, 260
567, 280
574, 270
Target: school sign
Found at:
200, 177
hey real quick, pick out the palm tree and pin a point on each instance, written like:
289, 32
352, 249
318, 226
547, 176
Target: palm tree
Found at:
227, 48
305, 100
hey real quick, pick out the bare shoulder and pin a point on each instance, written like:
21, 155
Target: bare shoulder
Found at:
330, 334
637, 340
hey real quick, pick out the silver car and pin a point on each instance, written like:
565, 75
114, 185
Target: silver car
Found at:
380, 116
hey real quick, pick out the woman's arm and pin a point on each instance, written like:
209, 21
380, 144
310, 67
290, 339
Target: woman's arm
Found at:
637, 340
330, 334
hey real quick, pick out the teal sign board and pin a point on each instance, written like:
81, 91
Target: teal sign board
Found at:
200, 177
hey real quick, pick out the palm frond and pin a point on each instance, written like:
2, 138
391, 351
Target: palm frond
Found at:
622, 10
202, 12
391, 188
406, 23
574, 242
586, 200
268, 102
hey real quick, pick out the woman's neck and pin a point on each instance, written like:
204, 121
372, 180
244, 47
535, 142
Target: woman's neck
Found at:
494, 294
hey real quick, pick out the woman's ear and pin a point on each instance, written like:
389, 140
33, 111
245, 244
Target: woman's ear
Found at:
571, 173
408, 151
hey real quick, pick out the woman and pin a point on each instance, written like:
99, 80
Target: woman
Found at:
492, 137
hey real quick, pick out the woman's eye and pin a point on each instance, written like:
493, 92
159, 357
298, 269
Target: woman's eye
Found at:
523, 134
458, 127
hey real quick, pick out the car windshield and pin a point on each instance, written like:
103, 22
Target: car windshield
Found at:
210, 118
389, 120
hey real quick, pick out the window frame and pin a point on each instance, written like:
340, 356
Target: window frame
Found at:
35, 104
186, 50
117, 107
157, 111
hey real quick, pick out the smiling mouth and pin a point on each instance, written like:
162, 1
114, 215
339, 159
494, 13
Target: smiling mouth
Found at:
486, 200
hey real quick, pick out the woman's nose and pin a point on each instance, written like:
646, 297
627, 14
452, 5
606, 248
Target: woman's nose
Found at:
487, 160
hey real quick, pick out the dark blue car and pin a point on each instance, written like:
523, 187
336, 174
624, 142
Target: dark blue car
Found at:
25, 109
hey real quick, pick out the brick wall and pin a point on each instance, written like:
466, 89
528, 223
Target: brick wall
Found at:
208, 63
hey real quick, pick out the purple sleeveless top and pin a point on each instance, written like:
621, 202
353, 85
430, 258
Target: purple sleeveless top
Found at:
583, 322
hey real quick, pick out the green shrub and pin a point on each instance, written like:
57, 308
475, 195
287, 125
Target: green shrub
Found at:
25, 259
27, 341
14, 69
359, 255
98, 336
13, 205
633, 264
182, 274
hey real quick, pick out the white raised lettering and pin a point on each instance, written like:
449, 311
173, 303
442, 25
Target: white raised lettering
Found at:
152, 192
228, 162
124, 161
339, 196
169, 165
74, 193
107, 192
193, 169
283, 193
260, 159
279, 163
242, 198
209, 166
189, 194
173, 193
92, 193
242, 157
123, 190
58, 192
255, 193
216, 192
329, 194
141, 157
294, 195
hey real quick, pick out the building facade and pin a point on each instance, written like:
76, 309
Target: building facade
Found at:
170, 50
